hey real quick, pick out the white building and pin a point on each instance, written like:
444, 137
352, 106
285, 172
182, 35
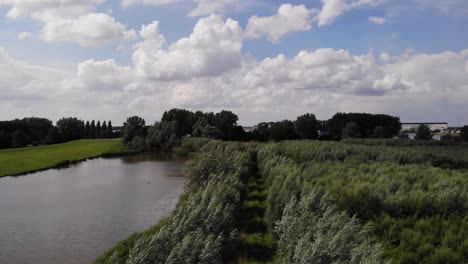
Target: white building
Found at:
408, 127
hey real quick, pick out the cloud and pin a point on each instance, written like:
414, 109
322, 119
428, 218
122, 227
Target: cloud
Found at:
332, 9
25, 35
104, 75
127, 3
213, 47
288, 19
71, 21
201, 7
326, 70
377, 20
48, 9
23, 82
429, 75
92, 30
207, 71
209, 7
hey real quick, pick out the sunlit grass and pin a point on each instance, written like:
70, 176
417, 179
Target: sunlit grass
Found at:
21, 160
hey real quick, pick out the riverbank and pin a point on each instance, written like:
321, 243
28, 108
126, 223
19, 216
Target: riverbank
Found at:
21, 161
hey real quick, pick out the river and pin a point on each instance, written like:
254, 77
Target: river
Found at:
72, 215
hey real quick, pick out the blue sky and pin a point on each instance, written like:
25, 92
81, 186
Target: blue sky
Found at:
410, 35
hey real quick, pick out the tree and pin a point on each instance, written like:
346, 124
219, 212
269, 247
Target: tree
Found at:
104, 130
366, 122
262, 132
283, 130
185, 120
351, 130
238, 134
137, 143
379, 132
4, 139
403, 135
37, 128
71, 128
34, 128
225, 121
88, 130
307, 126
163, 136
98, 129
134, 126
53, 136
92, 131
109, 130
19, 139
423, 133
203, 129
464, 133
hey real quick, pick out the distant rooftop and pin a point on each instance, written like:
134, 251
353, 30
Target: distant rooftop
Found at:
424, 123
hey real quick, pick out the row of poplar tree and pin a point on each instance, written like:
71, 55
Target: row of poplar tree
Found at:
96, 130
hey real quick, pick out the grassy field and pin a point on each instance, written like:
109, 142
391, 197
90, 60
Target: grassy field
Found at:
23, 160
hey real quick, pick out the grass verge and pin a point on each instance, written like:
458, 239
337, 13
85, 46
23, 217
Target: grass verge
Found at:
31, 159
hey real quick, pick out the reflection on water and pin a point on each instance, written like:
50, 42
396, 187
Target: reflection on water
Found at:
72, 215
158, 156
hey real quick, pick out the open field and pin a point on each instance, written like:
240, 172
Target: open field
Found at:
23, 160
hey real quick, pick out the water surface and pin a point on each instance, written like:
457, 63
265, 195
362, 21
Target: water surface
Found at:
72, 215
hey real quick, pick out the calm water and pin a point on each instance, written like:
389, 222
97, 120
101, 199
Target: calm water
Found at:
72, 215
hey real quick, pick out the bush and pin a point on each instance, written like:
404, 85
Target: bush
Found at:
137, 143
423, 133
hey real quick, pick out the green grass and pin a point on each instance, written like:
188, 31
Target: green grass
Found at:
23, 160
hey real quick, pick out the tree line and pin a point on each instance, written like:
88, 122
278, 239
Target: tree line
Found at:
177, 124
41, 131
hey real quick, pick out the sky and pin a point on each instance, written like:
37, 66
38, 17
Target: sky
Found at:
264, 60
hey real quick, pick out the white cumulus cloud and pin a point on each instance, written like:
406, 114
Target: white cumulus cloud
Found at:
332, 9
207, 71
48, 9
289, 19
213, 47
92, 30
70, 21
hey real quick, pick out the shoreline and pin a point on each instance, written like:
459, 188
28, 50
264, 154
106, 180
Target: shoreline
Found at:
67, 163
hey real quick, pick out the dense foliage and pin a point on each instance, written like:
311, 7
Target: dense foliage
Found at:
39, 131
464, 133
307, 126
451, 157
397, 142
178, 124
203, 227
22, 132
365, 124
316, 202
412, 210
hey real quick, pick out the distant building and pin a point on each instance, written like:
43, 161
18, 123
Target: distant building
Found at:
248, 128
117, 129
412, 127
